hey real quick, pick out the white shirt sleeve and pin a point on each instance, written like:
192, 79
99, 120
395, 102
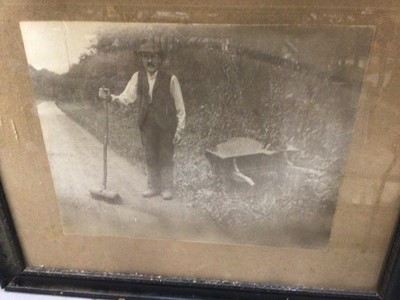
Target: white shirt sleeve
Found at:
129, 95
176, 92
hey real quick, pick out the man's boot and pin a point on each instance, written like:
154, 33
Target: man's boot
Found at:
167, 194
150, 193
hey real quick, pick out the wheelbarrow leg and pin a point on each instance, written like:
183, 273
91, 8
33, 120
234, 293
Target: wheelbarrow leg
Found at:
237, 175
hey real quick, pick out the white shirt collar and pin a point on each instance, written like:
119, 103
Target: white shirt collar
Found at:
152, 76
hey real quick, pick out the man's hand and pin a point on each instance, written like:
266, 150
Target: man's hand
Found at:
177, 137
104, 94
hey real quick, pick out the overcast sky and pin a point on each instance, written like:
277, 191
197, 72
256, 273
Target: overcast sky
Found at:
55, 45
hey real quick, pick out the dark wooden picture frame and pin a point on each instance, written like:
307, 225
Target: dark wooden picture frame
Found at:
17, 276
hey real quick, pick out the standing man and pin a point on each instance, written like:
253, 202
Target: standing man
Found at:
161, 117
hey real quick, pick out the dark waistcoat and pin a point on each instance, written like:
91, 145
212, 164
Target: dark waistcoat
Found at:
162, 105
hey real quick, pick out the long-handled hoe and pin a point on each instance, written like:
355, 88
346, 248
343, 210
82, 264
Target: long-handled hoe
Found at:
102, 193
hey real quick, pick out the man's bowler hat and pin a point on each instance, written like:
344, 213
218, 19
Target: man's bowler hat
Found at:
150, 46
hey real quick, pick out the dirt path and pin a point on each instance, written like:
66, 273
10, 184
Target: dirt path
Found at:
75, 158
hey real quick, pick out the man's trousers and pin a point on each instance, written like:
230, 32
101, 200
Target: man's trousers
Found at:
159, 151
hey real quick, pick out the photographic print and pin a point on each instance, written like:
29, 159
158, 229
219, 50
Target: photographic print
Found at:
231, 134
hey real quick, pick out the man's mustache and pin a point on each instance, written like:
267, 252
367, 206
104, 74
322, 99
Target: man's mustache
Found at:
150, 65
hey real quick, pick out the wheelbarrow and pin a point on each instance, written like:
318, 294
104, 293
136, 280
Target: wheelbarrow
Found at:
243, 160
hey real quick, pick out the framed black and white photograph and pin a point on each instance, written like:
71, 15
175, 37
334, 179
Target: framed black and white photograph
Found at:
204, 150
266, 115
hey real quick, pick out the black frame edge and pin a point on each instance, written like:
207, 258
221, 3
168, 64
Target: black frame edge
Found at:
390, 283
117, 286
11, 260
